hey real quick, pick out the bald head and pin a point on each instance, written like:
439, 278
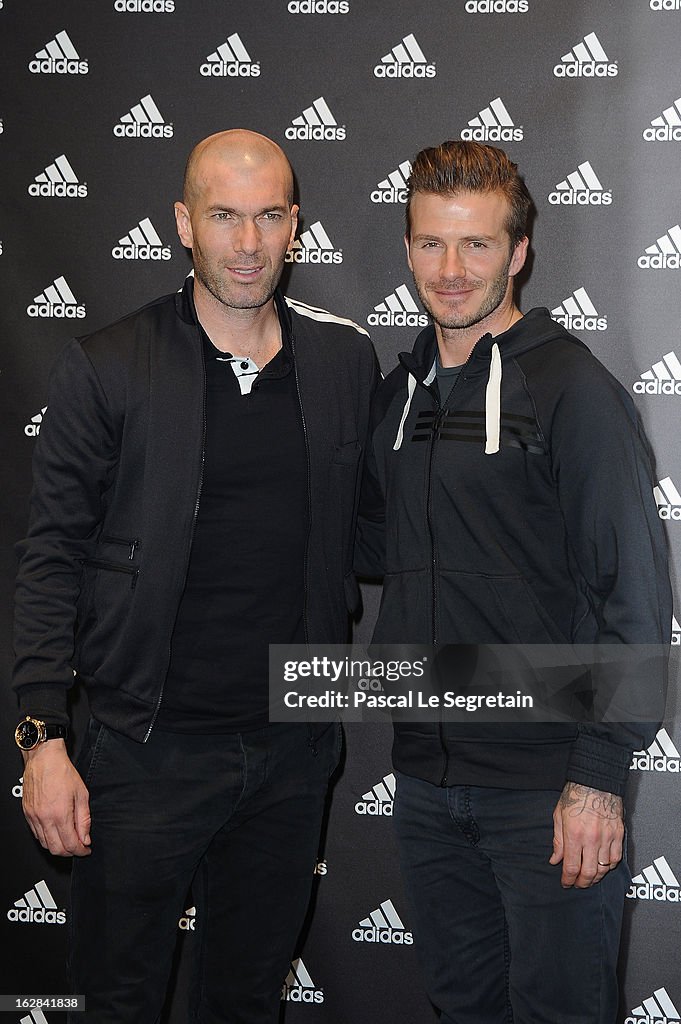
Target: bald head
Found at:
239, 150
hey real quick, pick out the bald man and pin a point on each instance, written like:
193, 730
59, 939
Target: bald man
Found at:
193, 502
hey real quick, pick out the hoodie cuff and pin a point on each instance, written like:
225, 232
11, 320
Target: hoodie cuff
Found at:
599, 763
44, 701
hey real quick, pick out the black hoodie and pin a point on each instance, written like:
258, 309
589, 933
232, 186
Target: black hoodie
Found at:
521, 512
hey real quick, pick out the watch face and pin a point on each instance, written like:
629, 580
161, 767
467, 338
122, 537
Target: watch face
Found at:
27, 734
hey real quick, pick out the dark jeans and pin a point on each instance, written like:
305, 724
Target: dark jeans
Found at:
239, 817
499, 940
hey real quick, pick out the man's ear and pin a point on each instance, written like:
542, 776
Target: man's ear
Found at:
184, 225
519, 256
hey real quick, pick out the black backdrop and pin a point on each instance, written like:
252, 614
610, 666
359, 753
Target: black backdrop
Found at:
100, 103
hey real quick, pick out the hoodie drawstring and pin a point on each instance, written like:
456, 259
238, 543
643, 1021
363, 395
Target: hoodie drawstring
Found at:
493, 403
411, 388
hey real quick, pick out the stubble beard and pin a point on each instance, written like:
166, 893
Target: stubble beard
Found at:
234, 296
457, 321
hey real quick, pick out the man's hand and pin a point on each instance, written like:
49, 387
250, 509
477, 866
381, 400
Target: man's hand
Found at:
588, 830
56, 801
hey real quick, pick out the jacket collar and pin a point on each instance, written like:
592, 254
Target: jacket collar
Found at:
186, 310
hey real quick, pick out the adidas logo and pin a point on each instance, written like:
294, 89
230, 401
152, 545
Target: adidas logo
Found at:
143, 121
668, 500
493, 124
34, 1017
187, 922
314, 246
665, 5
398, 310
666, 127
497, 6
58, 57
231, 60
383, 925
393, 189
661, 755
578, 313
32, 429
676, 632
144, 6
36, 906
378, 800
318, 7
321, 868
142, 243
316, 124
656, 882
18, 790
2, 126
406, 60
58, 180
299, 987
665, 253
56, 301
663, 379
581, 188
657, 1009
587, 59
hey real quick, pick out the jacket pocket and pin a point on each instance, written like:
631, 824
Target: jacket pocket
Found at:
127, 570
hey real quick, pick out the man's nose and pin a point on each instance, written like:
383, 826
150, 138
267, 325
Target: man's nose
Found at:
248, 237
452, 263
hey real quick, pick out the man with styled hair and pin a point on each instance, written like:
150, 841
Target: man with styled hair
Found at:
508, 499
194, 501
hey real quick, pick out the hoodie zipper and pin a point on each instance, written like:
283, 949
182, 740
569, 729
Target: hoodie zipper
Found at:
437, 424
131, 545
197, 502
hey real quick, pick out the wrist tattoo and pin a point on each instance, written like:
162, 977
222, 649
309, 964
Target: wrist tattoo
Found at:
576, 799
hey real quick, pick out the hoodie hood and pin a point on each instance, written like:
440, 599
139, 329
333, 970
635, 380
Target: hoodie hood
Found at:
533, 329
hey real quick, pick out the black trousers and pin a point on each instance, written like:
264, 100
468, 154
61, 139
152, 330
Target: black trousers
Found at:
237, 816
499, 940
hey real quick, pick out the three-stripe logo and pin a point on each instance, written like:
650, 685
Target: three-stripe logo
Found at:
143, 121
141, 243
493, 124
187, 922
656, 1009
393, 189
36, 906
665, 253
32, 429
668, 500
398, 310
299, 987
406, 60
662, 755
230, 60
316, 124
314, 246
34, 1017
587, 59
578, 313
663, 379
56, 301
666, 127
379, 800
383, 925
58, 57
656, 882
581, 188
58, 180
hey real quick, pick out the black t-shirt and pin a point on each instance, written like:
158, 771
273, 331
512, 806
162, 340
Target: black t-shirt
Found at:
245, 585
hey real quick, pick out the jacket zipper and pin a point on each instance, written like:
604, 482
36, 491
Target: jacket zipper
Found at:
309, 490
101, 563
437, 423
193, 529
132, 545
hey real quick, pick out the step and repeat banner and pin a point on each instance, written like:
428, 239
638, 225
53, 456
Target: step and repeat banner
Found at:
101, 102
